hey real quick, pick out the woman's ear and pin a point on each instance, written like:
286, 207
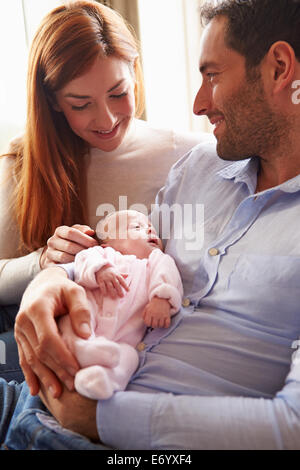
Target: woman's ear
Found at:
53, 103
281, 61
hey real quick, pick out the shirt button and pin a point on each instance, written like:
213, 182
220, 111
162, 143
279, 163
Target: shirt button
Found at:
186, 302
213, 251
141, 346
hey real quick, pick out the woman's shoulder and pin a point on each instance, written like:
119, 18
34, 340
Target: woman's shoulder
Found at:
7, 163
14, 146
180, 141
8, 159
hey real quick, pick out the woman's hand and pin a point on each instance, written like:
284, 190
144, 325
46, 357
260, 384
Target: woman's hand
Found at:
66, 243
44, 357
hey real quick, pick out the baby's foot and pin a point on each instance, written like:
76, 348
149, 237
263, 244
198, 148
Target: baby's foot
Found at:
94, 382
98, 351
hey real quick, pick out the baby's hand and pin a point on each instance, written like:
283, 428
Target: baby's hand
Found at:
157, 313
111, 282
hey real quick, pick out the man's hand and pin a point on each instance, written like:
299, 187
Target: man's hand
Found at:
73, 412
111, 282
44, 357
157, 313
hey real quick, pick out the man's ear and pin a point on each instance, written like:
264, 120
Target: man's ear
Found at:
281, 61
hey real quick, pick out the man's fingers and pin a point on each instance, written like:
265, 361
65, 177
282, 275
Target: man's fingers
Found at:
49, 345
33, 369
77, 305
30, 377
50, 349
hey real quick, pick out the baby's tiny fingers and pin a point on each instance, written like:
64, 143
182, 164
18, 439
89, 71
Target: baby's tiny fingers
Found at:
111, 289
102, 287
123, 283
118, 288
146, 318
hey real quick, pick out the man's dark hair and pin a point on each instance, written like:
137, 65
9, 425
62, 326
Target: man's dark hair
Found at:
254, 25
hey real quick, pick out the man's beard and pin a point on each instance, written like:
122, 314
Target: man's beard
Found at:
252, 128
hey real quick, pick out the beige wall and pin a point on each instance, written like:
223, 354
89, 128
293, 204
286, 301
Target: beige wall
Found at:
128, 9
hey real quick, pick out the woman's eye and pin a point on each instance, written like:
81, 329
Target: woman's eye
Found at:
120, 95
80, 108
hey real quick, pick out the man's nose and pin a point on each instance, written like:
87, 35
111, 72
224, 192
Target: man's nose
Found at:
202, 103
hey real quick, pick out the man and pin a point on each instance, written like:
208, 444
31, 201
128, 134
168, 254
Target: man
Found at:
224, 376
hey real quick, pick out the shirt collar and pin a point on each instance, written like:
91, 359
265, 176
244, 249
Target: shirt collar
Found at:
245, 171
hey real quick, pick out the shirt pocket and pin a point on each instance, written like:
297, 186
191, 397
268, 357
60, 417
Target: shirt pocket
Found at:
268, 287
281, 271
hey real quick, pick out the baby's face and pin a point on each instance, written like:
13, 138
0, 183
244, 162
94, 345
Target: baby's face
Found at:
134, 235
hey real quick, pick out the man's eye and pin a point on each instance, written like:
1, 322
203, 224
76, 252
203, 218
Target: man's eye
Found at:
211, 75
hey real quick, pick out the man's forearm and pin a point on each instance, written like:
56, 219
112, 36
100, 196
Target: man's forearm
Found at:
132, 420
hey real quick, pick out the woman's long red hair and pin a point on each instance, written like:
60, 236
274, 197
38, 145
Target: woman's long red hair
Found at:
49, 163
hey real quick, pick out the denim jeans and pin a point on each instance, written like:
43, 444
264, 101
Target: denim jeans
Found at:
9, 358
25, 424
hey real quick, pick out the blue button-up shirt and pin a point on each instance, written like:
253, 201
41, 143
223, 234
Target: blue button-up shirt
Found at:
224, 375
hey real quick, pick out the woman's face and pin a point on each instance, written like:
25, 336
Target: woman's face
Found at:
100, 104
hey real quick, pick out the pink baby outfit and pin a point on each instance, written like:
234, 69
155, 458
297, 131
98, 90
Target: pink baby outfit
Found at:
109, 358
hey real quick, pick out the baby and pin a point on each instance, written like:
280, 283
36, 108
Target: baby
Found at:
130, 284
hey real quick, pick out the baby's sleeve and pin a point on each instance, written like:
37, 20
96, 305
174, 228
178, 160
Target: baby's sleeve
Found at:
164, 279
89, 262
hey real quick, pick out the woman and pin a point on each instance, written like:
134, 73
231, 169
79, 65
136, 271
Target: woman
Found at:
83, 146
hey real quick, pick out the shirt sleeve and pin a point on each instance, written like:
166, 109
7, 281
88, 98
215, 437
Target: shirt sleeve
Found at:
15, 275
17, 268
69, 268
165, 421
